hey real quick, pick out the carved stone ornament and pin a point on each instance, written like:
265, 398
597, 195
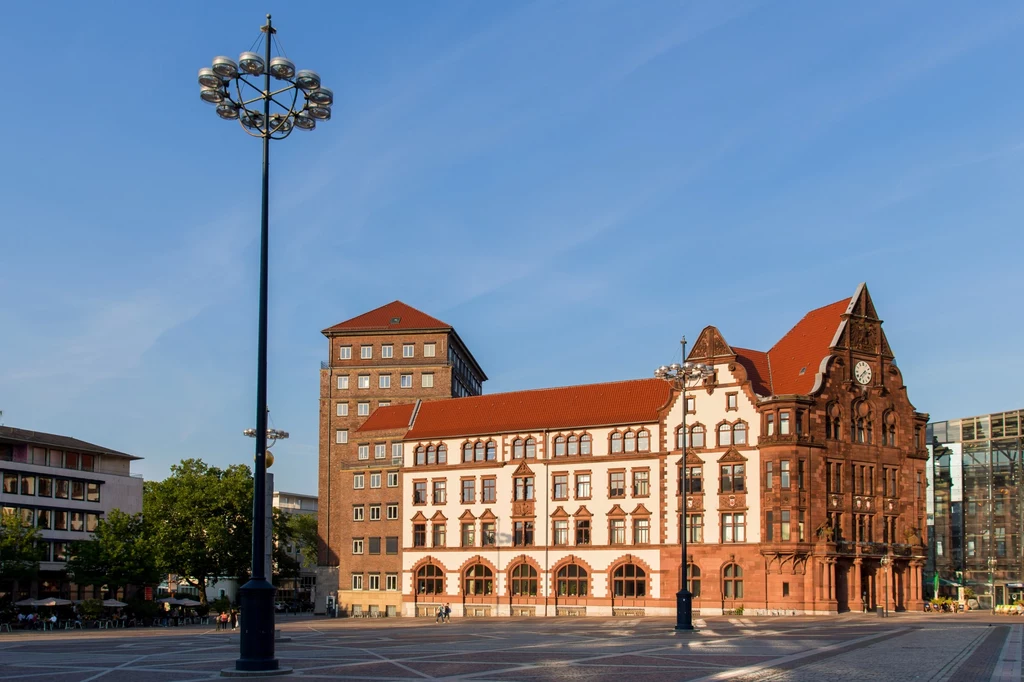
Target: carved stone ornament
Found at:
835, 501
862, 336
732, 500
689, 503
857, 503
867, 504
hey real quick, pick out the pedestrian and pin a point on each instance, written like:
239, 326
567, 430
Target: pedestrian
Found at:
447, 613
234, 619
220, 621
439, 618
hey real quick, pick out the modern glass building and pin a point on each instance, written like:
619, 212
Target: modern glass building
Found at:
976, 507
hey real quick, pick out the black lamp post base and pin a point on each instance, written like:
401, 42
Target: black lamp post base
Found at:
232, 672
256, 635
684, 610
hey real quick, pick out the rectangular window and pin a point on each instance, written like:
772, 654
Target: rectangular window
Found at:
560, 487
469, 535
357, 512
561, 532
783, 423
88, 463
694, 480
374, 546
357, 545
427, 380
343, 382
91, 521
524, 488
468, 490
732, 478
345, 352
342, 409
387, 351
419, 492
617, 531
429, 350
582, 531
800, 468
784, 474
406, 381
617, 484
364, 451
691, 404
734, 528
374, 581
769, 527
366, 352
60, 520
522, 533
730, 401
641, 531
10, 482
70, 460
341, 436
785, 525
375, 480
391, 582
77, 519
641, 483
78, 490
44, 519
357, 581
490, 490
440, 492
408, 350
375, 512
768, 476
392, 479
695, 528
363, 409
582, 486
380, 450
419, 535
488, 535
785, 589
364, 381
28, 485
392, 512
391, 545
384, 403
800, 527
396, 451
384, 381
769, 425
357, 481
46, 487
439, 535
63, 488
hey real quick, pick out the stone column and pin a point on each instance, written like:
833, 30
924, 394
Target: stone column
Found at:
857, 602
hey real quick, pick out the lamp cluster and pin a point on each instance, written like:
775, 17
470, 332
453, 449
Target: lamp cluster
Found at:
215, 88
688, 371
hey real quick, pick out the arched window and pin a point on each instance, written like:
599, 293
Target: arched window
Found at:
724, 435
643, 441
517, 448
629, 580
421, 457
833, 420
889, 429
492, 450
630, 441
524, 581
478, 579
681, 438
732, 582
574, 445
870, 430
478, 452
585, 444
430, 580
697, 436
531, 448
739, 434
559, 446
616, 442
571, 581
467, 452
431, 455
693, 579
861, 431
442, 454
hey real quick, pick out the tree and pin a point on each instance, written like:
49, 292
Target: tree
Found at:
120, 554
284, 566
306, 535
21, 548
200, 521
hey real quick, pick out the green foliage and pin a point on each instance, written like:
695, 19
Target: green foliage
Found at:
306, 536
140, 608
92, 608
200, 518
284, 565
21, 548
738, 610
120, 553
969, 593
219, 605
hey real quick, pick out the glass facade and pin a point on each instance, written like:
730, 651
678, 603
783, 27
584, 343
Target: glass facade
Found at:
976, 507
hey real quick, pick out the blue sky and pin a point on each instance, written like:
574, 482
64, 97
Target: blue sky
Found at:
572, 185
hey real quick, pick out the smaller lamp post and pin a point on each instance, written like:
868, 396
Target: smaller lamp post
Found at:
885, 561
992, 583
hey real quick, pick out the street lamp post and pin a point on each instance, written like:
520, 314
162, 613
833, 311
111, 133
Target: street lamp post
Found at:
268, 115
992, 583
681, 377
885, 561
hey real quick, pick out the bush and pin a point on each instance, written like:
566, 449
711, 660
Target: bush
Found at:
140, 608
738, 610
92, 608
220, 604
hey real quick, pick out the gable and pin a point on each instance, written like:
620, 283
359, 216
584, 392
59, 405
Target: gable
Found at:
710, 345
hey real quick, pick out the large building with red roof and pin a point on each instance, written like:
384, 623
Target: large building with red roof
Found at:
803, 487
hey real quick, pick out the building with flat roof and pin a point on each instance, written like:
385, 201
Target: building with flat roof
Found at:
301, 590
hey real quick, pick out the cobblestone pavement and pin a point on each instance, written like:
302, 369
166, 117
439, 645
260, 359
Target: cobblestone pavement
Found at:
934, 648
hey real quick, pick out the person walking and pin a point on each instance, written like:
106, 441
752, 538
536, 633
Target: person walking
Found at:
448, 613
439, 618
234, 619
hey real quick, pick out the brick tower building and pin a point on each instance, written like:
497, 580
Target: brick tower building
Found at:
393, 355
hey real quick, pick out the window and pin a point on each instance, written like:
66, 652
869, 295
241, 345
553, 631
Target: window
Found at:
490, 490
522, 533
571, 581
391, 582
617, 531
488, 536
419, 492
406, 381
641, 531
524, 581
695, 528
374, 546
783, 423
363, 409
380, 450
691, 404
617, 484
440, 492
391, 544
429, 350
800, 466
732, 478
345, 352
734, 528
28, 485
342, 409
739, 434
643, 441
492, 450
769, 425
518, 448
582, 486
560, 486
392, 479
641, 483
357, 581
531, 448
574, 445
784, 474
408, 350
419, 535
375, 480
693, 579
582, 531
387, 351
769, 479
375, 512
697, 436
70, 460
800, 527
524, 488
430, 580
364, 451
890, 482
384, 381
384, 403
374, 581
341, 435
785, 534
834, 477
561, 532
616, 443
724, 435
427, 380
357, 481
732, 582
694, 482
63, 488
769, 526
46, 488
357, 512
629, 580
468, 490
343, 383
366, 352
60, 520
730, 401
44, 519
920, 486
559, 446
11, 483
396, 451
585, 444
479, 580
469, 535
91, 521
364, 381
439, 534
78, 490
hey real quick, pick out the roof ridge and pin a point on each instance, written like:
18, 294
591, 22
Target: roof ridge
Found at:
554, 388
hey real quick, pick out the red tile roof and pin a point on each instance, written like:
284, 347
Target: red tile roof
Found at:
758, 369
796, 358
384, 319
389, 418
567, 407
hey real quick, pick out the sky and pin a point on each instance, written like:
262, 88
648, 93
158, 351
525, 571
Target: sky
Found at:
572, 185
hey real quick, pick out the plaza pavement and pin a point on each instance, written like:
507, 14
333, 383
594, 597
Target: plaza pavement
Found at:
925, 647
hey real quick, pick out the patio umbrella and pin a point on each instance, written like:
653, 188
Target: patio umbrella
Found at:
53, 601
170, 600
189, 602
25, 602
113, 603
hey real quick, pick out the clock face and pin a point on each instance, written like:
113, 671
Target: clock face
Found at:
862, 372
